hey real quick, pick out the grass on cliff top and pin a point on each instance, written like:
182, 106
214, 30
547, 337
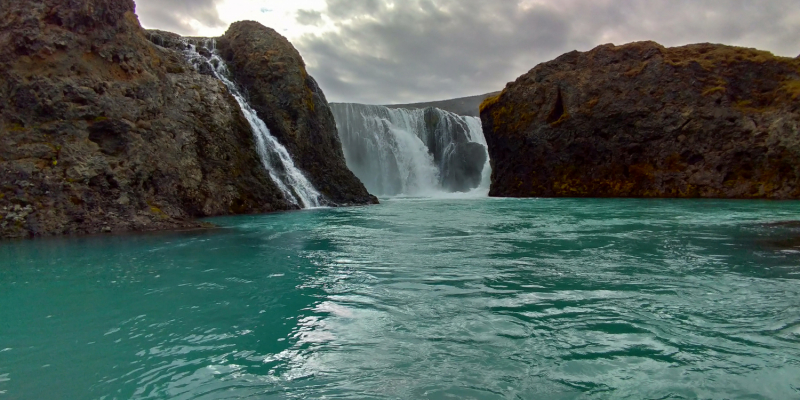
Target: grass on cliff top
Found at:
489, 101
711, 56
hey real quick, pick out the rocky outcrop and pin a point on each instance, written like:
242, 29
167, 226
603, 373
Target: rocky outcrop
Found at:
642, 120
460, 160
293, 106
102, 130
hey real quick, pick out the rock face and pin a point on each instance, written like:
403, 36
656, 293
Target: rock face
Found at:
642, 120
292, 105
460, 161
102, 130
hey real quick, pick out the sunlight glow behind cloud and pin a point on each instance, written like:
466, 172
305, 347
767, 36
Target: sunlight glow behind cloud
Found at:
377, 51
280, 15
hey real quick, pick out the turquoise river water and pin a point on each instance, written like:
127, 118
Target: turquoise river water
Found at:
416, 299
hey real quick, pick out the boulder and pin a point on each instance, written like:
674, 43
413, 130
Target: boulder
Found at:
464, 169
642, 120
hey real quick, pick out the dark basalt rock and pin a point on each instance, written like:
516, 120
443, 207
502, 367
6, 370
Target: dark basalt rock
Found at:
102, 129
642, 120
166, 39
293, 106
465, 170
448, 139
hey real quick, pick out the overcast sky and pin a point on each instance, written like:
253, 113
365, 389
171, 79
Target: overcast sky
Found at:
382, 52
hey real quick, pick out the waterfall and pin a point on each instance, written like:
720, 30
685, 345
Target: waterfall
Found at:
417, 152
276, 159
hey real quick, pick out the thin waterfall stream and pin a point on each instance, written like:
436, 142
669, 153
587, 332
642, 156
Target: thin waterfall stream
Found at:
276, 159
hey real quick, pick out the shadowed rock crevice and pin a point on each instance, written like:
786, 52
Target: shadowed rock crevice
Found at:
558, 109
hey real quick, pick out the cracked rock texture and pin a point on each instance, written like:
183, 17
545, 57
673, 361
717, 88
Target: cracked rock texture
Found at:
642, 120
101, 130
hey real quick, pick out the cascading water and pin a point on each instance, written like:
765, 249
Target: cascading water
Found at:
420, 152
276, 159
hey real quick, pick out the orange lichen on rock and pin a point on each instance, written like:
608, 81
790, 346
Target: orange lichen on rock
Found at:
489, 101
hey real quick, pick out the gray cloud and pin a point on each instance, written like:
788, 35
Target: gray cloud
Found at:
306, 17
351, 8
171, 15
416, 50
419, 50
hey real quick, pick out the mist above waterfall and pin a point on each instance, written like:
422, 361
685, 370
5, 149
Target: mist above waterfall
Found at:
420, 152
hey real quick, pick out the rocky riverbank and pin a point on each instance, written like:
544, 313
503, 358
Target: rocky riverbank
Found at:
642, 120
102, 129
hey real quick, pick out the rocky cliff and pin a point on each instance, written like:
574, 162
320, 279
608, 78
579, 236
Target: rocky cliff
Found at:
293, 106
103, 130
642, 120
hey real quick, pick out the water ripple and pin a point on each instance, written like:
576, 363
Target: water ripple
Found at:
417, 298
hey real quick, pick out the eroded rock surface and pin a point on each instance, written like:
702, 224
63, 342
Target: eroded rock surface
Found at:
103, 130
642, 120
